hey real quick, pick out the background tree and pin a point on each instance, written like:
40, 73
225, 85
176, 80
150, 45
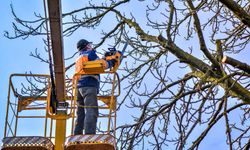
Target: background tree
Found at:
176, 77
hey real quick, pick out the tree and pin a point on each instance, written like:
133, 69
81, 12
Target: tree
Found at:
181, 48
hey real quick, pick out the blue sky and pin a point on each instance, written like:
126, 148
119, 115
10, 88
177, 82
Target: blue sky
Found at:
15, 55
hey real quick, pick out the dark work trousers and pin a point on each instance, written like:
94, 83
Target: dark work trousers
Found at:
86, 117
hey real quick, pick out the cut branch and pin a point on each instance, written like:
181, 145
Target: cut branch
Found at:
236, 63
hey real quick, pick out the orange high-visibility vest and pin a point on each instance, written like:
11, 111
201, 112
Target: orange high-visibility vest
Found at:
79, 63
79, 67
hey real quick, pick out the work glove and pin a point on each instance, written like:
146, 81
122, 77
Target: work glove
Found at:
111, 63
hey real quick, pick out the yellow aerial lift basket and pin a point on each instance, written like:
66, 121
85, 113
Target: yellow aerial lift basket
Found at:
104, 141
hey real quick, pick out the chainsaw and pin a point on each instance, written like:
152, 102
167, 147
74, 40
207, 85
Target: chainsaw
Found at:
113, 53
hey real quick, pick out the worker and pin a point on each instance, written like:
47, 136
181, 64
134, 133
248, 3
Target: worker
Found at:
87, 90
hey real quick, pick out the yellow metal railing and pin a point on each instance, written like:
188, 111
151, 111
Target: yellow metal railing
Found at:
21, 104
109, 100
24, 103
